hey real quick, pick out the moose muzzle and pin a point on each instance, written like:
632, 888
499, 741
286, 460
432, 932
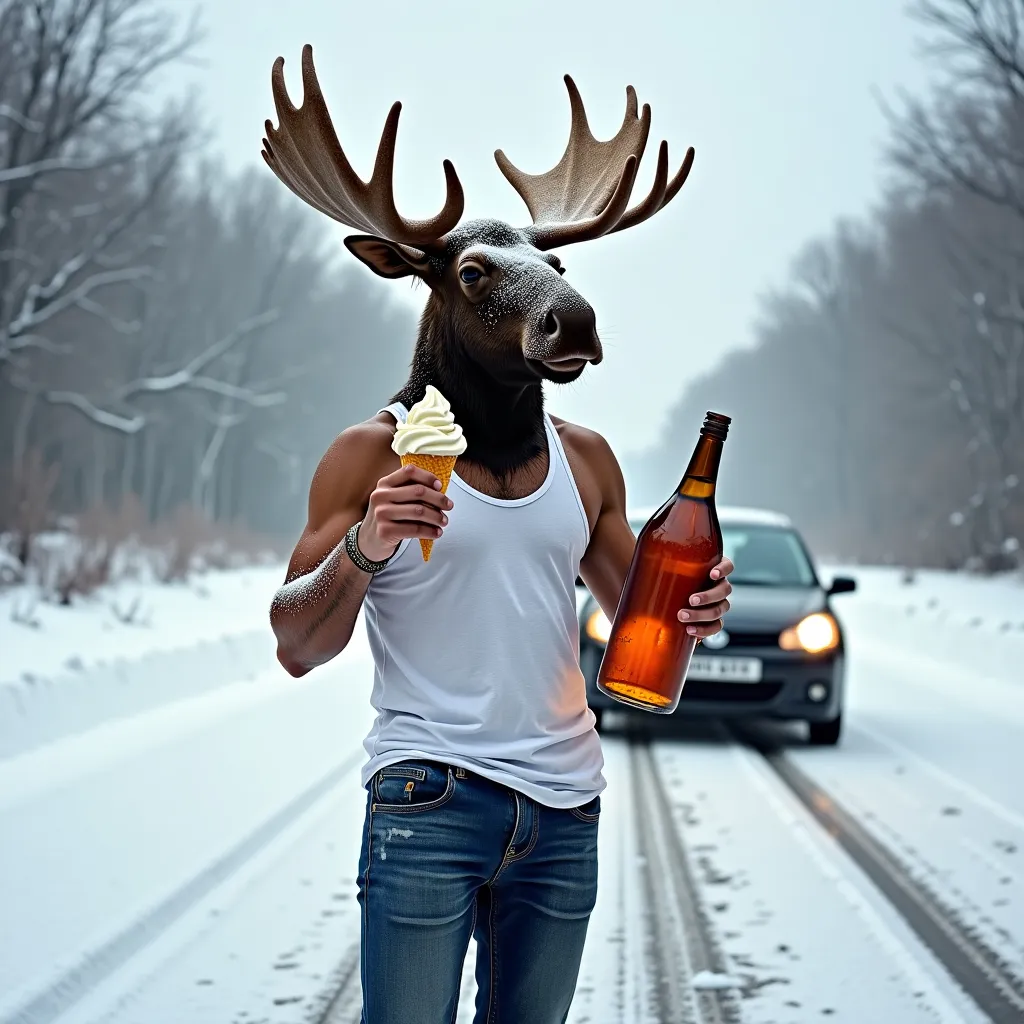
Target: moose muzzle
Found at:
565, 341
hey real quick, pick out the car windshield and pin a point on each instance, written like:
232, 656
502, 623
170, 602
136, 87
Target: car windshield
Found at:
765, 556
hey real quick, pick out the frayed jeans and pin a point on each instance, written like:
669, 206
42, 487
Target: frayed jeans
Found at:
447, 855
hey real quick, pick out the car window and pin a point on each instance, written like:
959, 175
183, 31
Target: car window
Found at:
765, 556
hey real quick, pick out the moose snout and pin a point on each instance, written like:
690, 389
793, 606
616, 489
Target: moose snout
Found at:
569, 336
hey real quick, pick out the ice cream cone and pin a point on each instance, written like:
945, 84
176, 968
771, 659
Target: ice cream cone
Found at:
429, 437
441, 466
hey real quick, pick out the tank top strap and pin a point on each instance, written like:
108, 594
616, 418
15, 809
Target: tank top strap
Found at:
397, 410
555, 445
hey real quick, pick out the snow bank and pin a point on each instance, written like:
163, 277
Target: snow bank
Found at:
128, 648
128, 620
45, 710
991, 604
962, 624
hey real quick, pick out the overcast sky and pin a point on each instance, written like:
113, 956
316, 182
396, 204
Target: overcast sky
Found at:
778, 97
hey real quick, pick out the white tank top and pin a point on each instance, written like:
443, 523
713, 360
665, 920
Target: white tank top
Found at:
477, 650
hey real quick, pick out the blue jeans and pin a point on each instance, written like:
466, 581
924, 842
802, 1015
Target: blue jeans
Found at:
448, 855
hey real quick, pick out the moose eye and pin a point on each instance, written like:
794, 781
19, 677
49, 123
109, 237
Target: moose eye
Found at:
470, 275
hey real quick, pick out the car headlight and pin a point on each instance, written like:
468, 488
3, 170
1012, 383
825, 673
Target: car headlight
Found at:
598, 626
814, 634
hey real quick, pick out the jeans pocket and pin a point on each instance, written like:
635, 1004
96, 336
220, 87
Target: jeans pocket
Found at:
412, 786
589, 812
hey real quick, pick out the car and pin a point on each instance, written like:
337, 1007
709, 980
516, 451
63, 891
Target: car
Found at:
781, 651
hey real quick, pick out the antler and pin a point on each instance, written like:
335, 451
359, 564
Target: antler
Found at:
305, 154
585, 194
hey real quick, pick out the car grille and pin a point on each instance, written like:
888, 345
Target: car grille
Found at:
752, 639
730, 693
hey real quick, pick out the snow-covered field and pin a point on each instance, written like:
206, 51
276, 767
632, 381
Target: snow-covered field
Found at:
183, 847
40, 639
129, 648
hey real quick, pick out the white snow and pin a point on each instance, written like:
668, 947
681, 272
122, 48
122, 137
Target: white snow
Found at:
807, 933
710, 981
969, 624
128, 818
932, 760
141, 778
40, 639
992, 604
68, 668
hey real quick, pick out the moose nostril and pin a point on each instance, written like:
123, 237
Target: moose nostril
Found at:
550, 324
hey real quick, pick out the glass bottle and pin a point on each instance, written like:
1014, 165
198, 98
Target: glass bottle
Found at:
649, 649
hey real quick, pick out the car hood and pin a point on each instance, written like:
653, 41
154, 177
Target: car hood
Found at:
754, 609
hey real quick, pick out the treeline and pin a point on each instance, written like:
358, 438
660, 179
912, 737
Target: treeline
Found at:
882, 404
169, 334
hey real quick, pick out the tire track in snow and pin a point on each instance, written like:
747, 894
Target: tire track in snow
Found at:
681, 944
968, 792
345, 997
62, 993
978, 969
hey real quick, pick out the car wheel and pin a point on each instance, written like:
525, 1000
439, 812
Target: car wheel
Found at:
826, 734
598, 718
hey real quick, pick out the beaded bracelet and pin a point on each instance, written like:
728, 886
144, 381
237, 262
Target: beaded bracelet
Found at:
359, 560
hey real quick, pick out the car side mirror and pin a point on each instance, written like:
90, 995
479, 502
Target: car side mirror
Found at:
842, 585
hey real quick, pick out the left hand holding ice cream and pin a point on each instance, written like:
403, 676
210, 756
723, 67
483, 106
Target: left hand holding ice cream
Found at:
431, 439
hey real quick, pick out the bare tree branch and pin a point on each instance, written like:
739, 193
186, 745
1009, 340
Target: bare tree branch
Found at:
188, 377
188, 373
62, 163
19, 119
31, 317
101, 417
971, 137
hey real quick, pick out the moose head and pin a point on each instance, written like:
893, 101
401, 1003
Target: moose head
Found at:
501, 318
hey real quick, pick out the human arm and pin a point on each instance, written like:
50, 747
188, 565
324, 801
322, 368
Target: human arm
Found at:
608, 556
313, 613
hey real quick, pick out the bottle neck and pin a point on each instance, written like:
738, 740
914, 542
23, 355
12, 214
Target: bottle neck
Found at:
702, 473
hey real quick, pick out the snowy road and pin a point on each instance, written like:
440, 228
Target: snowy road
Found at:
196, 862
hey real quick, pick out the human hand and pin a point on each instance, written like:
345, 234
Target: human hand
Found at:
406, 503
704, 616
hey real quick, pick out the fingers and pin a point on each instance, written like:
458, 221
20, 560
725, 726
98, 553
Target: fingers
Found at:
410, 475
399, 531
719, 592
706, 619
704, 629
723, 569
391, 532
411, 492
407, 504
410, 512
395, 521
409, 498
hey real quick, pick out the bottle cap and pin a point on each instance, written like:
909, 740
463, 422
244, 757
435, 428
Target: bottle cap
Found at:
716, 425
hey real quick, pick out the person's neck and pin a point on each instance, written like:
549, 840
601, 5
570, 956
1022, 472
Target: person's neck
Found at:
503, 424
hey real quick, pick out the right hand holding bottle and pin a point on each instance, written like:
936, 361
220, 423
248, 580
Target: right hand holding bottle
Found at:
707, 607
406, 503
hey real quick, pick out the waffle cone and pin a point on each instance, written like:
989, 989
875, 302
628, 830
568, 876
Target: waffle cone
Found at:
441, 466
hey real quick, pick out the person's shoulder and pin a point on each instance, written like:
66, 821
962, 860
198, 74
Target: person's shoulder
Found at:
594, 465
358, 457
370, 435
582, 441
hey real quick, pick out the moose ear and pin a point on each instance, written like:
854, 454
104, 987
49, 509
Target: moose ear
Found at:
389, 259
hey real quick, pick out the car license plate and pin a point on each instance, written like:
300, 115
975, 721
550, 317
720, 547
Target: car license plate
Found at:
724, 670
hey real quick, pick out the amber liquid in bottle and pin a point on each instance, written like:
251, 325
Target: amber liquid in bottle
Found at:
649, 649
